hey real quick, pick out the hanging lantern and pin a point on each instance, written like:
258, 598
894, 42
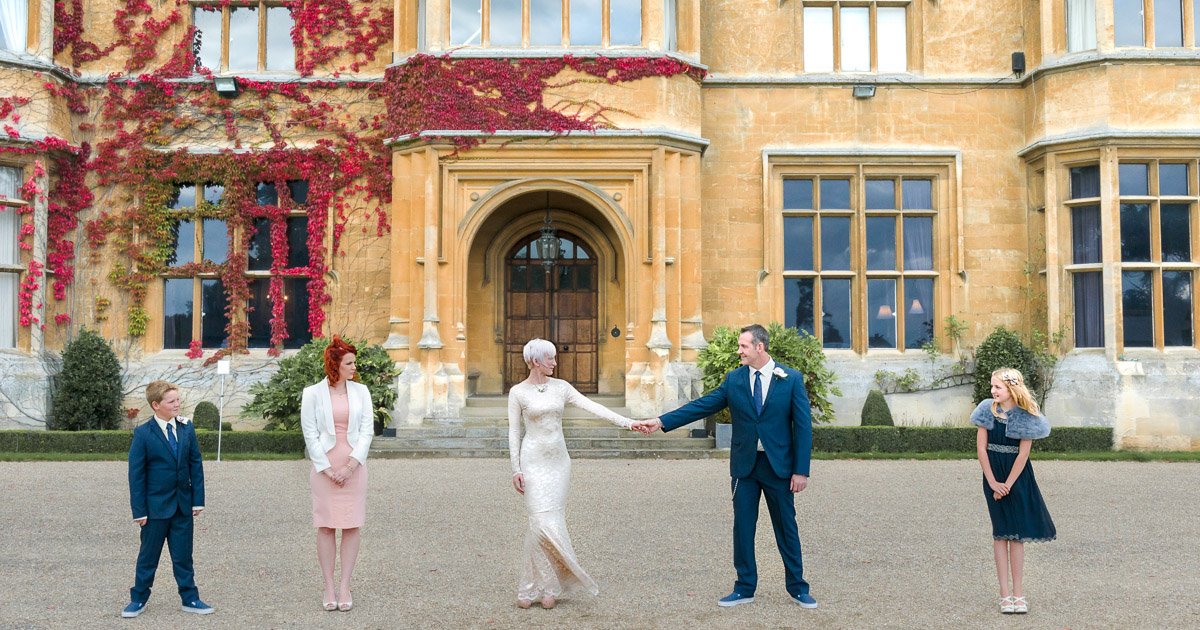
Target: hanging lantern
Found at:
548, 243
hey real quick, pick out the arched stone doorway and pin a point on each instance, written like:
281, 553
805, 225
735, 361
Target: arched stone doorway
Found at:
555, 299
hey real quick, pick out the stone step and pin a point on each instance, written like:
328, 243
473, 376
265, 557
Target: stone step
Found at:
420, 453
500, 401
494, 413
573, 444
498, 430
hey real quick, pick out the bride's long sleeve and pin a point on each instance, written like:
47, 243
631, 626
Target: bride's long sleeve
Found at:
514, 432
595, 408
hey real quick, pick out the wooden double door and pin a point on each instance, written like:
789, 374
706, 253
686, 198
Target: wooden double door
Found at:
558, 303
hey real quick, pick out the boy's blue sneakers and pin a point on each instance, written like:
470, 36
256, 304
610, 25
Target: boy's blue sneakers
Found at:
133, 609
733, 599
805, 600
198, 607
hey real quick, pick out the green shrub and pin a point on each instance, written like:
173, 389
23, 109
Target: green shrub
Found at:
278, 400
206, 416
873, 439
789, 346
1004, 349
875, 412
283, 442
87, 394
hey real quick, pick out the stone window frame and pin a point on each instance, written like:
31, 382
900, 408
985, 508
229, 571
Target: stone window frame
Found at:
17, 206
942, 167
1108, 158
224, 9
912, 24
445, 9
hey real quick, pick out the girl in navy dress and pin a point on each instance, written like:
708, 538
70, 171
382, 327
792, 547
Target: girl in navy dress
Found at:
1008, 423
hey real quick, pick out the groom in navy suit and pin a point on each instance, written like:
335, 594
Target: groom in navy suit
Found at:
772, 445
166, 490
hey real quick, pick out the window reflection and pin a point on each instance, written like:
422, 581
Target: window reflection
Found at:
183, 248
258, 254
243, 38
835, 320
281, 54
177, 313
800, 303
625, 22
586, 22
213, 317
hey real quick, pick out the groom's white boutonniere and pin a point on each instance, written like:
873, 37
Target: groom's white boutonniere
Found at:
778, 372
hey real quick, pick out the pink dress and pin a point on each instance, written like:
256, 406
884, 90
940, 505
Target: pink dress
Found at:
344, 507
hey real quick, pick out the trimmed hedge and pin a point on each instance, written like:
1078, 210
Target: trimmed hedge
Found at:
283, 442
934, 439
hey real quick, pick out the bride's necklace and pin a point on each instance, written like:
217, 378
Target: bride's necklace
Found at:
541, 387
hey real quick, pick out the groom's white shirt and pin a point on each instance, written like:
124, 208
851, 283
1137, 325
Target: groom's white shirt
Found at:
765, 372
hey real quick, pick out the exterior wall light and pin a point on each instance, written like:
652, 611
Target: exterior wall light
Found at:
227, 87
863, 91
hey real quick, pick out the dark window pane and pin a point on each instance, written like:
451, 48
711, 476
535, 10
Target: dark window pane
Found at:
504, 27
918, 312
243, 38
798, 243
537, 278
297, 233
1133, 179
835, 194
213, 316
1168, 23
177, 313
1127, 18
1175, 223
798, 306
260, 317
266, 194
545, 23
881, 194
1089, 310
258, 256
835, 243
1137, 302
797, 194
216, 240
213, 193
835, 316
1085, 235
1085, 182
1172, 179
183, 247
881, 311
918, 194
185, 197
566, 277
586, 20
881, 243
1135, 232
295, 291
918, 243
583, 276
1177, 308
518, 277
281, 54
298, 189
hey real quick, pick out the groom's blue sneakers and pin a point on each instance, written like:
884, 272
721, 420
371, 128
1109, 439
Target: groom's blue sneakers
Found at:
733, 599
805, 600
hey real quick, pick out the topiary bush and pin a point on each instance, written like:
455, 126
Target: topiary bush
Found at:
278, 400
206, 416
875, 412
87, 392
789, 346
1004, 349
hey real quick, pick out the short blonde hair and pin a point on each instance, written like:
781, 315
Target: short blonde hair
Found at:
538, 349
157, 390
1015, 383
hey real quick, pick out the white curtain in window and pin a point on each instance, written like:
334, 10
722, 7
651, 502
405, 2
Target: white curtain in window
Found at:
8, 310
14, 24
891, 31
1081, 25
10, 222
818, 39
856, 39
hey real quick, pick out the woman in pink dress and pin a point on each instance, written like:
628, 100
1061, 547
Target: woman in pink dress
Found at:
337, 418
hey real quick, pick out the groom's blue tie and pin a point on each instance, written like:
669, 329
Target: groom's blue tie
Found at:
758, 398
172, 441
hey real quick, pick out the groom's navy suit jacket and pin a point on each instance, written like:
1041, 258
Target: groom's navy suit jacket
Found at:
160, 484
784, 426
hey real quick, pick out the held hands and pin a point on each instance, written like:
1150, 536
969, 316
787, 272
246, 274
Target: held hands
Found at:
647, 426
338, 477
519, 482
799, 482
999, 490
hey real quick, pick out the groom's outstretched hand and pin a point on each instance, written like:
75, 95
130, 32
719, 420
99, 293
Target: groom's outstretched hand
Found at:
799, 482
647, 426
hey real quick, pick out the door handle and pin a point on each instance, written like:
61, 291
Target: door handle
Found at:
566, 348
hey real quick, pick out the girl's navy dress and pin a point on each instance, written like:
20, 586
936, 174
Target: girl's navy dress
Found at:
1020, 516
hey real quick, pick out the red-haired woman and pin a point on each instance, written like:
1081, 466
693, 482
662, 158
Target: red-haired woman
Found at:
337, 418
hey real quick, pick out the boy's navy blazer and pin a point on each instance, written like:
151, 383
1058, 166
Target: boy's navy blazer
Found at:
784, 426
160, 484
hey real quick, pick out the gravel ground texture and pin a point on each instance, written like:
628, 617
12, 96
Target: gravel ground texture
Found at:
887, 544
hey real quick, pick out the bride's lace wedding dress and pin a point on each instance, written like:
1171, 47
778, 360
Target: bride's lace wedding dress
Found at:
548, 566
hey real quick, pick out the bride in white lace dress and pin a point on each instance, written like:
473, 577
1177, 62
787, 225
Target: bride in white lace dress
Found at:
542, 472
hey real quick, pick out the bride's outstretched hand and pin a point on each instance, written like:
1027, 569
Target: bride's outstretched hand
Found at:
519, 482
647, 426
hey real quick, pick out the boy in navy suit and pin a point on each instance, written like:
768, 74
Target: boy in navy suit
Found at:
166, 489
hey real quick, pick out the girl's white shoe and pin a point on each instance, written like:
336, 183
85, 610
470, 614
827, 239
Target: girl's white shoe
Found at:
1008, 605
1020, 606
